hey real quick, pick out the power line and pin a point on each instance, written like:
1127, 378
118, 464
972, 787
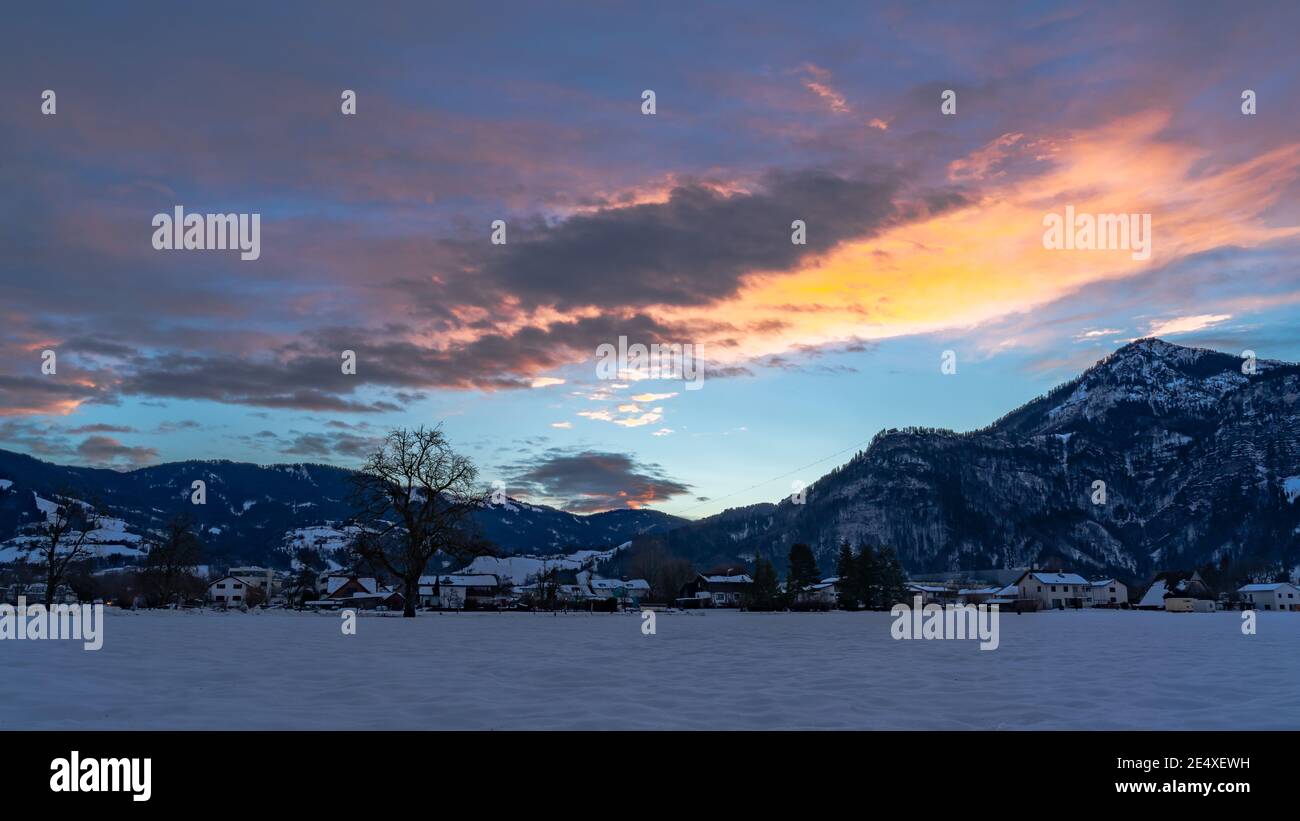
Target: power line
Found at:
773, 479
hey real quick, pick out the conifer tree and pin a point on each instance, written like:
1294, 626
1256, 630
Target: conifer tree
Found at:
868, 577
846, 568
893, 579
803, 569
764, 593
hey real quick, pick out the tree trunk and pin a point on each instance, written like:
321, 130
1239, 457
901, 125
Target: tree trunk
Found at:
412, 596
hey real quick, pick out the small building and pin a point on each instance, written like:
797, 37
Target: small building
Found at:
348, 586
1107, 593
263, 577
1054, 591
629, 592
930, 593
458, 591
1275, 596
228, 591
1178, 592
383, 598
715, 590
638, 590
822, 595
977, 595
1188, 604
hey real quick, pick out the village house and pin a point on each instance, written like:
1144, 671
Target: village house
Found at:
263, 577
1053, 591
820, 596
228, 591
346, 585
629, 592
1275, 596
1178, 592
716, 590
457, 591
383, 599
931, 593
35, 593
1107, 593
978, 595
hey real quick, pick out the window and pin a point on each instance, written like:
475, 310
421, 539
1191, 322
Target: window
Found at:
221, 586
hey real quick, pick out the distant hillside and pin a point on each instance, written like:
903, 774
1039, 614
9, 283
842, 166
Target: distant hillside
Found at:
1201, 464
257, 513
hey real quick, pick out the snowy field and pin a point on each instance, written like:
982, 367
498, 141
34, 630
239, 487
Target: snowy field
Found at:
714, 670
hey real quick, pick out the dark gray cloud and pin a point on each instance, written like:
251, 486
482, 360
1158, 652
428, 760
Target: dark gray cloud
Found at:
105, 451
330, 445
591, 481
694, 249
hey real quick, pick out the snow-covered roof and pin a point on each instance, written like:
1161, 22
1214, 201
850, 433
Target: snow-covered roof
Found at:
1103, 583
927, 588
1155, 595
334, 582
1009, 590
979, 591
1059, 578
743, 578
1263, 588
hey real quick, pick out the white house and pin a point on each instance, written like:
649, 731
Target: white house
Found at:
452, 591
263, 577
929, 593
1055, 591
1107, 593
1188, 604
825, 593
631, 591
1178, 592
1276, 596
228, 591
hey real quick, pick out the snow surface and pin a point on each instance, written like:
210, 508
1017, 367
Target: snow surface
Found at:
702, 670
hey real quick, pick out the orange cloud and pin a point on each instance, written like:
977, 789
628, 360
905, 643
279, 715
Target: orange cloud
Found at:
968, 266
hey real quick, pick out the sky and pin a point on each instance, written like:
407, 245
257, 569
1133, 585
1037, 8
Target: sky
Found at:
924, 230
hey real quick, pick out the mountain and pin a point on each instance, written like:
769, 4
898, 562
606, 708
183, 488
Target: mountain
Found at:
1201, 464
261, 514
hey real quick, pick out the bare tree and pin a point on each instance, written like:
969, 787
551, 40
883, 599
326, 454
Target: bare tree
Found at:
170, 565
664, 572
413, 499
62, 539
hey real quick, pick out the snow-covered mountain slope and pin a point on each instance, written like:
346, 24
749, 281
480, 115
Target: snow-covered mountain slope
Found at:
265, 514
1197, 457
